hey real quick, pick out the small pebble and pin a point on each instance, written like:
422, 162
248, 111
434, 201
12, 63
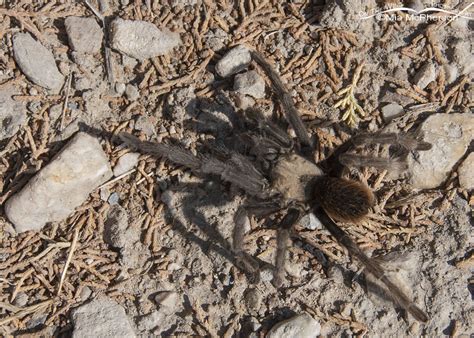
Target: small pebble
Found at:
425, 75
250, 83
391, 111
301, 326
237, 59
104, 194
120, 88
125, 163
132, 92
311, 222
114, 198
21, 299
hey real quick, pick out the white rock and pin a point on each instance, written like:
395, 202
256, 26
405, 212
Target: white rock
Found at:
126, 163
64, 184
300, 326
391, 111
36, 62
101, 318
450, 136
425, 75
85, 34
466, 173
250, 83
142, 40
237, 59
12, 114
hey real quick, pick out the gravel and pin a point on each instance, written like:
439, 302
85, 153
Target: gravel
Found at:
61, 186
142, 40
85, 34
36, 62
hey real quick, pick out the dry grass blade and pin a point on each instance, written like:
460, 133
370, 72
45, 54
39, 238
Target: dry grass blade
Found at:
68, 260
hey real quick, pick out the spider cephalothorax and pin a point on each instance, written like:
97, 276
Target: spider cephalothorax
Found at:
272, 169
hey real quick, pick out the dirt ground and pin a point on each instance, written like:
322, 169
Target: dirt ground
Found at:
158, 240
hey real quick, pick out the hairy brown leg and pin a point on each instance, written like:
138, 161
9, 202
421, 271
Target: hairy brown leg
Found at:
371, 266
285, 98
283, 238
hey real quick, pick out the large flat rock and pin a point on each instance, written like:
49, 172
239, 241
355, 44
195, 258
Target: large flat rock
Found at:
36, 62
450, 136
61, 186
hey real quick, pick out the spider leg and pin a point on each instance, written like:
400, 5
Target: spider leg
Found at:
359, 161
289, 108
283, 237
372, 266
341, 158
237, 169
241, 224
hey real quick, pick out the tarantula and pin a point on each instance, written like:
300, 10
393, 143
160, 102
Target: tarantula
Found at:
277, 173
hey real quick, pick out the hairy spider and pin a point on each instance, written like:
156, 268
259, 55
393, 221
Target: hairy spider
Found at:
279, 175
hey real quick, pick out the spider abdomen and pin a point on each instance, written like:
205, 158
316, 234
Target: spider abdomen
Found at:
342, 199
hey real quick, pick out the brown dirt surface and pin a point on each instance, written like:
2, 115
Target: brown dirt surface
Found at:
176, 239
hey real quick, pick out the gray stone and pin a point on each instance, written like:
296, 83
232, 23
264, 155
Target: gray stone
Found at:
85, 34
250, 83
237, 59
132, 92
64, 184
425, 75
450, 136
300, 326
142, 40
101, 318
466, 173
21, 299
114, 198
12, 114
311, 222
36, 62
391, 111
126, 163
